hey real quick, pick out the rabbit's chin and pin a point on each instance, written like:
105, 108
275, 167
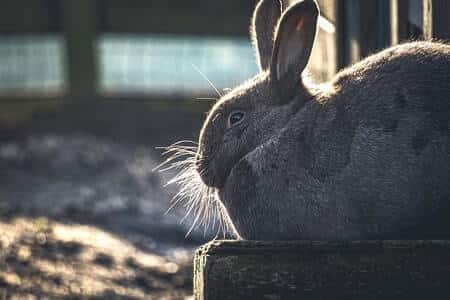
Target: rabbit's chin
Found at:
209, 180
214, 181
217, 180
243, 167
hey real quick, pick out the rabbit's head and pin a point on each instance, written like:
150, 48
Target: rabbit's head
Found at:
251, 114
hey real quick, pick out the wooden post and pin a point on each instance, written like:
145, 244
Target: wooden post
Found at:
366, 28
79, 22
322, 270
399, 21
436, 20
341, 35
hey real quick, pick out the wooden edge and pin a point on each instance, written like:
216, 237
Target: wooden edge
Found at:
369, 269
230, 247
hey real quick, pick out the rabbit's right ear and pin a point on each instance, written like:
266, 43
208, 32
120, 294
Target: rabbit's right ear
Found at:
293, 44
265, 19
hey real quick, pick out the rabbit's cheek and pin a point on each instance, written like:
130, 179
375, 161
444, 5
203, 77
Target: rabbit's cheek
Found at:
235, 133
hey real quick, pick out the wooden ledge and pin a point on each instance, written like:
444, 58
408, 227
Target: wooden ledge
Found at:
322, 270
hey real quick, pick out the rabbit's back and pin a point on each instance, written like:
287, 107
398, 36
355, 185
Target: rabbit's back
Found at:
379, 143
369, 157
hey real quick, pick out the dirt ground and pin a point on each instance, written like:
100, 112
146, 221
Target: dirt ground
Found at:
82, 215
42, 259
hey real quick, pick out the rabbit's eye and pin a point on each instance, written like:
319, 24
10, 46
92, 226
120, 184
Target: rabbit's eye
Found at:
235, 118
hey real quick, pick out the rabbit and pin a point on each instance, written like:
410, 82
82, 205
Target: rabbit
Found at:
363, 156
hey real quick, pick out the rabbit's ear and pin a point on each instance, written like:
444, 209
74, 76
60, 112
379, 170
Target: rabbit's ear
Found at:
293, 43
265, 19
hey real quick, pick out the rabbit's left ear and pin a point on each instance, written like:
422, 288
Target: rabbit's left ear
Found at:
265, 19
294, 40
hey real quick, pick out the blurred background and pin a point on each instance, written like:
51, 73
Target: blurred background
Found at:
90, 88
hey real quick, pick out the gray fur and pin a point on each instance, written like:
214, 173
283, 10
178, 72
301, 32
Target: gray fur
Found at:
366, 155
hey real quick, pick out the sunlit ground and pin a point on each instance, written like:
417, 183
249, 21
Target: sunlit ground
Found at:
40, 258
83, 217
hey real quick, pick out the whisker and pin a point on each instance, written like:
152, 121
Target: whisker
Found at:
169, 163
176, 152
184, 141
202, 205
206, 78
173, 148
179, 143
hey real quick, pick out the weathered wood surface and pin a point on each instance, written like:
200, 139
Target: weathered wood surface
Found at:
322, 270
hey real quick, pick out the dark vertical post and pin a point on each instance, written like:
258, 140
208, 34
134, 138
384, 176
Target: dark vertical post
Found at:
79, 28
366, 28
436, 22
353, 31
341, 35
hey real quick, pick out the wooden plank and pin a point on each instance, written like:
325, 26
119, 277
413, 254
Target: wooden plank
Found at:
365, 29
199, 17
80, 33
322, 270
341, 35
24, 16
436, 20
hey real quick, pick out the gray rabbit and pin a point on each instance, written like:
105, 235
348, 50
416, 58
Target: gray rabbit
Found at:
364, 156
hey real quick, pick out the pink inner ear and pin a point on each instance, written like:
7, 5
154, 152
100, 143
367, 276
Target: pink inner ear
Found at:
299, 23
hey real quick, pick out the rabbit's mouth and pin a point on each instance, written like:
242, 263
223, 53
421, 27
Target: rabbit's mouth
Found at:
211, 180
217, 177
214, 175
208, 172
245, 168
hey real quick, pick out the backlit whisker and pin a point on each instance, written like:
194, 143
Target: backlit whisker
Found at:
206, 78
200, 201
